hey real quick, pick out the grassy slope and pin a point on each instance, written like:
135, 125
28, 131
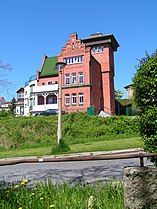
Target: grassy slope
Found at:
88, 147
35, 135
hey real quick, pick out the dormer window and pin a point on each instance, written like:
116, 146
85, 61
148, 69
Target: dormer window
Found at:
97, 49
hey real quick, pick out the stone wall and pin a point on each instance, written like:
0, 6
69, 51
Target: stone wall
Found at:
140, 187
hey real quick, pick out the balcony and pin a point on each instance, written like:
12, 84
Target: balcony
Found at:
45, 88
40, 108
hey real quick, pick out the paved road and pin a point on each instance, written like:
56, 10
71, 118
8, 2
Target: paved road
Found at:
89, 171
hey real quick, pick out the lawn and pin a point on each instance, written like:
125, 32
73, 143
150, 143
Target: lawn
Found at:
117, 144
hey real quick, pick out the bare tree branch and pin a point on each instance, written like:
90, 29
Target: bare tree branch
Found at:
4, 83
5, 66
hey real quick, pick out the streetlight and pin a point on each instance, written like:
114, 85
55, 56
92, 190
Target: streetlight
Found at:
60, 66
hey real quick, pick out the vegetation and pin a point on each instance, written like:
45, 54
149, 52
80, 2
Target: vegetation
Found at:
78, 128
46, 195
4, 83
60, 147
12, 106
145, 94
117, 144
118, 94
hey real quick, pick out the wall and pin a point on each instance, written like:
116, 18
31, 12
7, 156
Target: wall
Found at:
140, 184
96, 88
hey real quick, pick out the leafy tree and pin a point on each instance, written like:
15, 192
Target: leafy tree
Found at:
12, 106
118, 94
145, 95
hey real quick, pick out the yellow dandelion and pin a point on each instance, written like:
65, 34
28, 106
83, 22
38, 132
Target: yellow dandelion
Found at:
25, 180
23, 183
20, 208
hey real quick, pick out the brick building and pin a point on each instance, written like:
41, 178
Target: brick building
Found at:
87, 79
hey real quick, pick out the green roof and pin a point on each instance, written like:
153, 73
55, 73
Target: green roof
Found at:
49, 67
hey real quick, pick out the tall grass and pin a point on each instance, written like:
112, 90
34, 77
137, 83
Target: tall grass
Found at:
78, 128
47, 195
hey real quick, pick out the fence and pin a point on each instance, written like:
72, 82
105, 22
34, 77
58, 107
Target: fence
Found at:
90, 157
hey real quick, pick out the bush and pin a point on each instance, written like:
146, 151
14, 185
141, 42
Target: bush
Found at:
145, 94
60, 147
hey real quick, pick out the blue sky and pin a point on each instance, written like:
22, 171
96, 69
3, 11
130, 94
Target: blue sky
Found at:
31, 28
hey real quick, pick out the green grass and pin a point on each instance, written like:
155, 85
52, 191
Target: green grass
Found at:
109, 195
77, 128
117, 144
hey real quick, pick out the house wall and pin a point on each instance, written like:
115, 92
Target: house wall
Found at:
105, 59
75, 48
96, 85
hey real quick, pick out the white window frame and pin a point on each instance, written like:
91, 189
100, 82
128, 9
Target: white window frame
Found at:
73, 99
73, 60
67, 97
80, 77
73, 78
98, 49
67, 78
81, 98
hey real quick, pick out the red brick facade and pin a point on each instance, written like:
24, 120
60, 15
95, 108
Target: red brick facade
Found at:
97, 66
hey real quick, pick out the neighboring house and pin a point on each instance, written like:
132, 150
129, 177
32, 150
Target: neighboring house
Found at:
29, 98
129, 91
2, 101
87, 79
20, 101
5, 106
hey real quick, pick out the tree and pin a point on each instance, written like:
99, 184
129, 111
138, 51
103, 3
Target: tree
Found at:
12, 106
4, 83
145, 96
118, 94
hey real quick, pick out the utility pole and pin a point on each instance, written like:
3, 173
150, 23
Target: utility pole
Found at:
60, 66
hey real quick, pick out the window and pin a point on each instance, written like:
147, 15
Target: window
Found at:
98, 49
20, 95
67, 79
73, 99
67, 99
80, 77
73, 60
51, 99
43, 84
40, 100
50, 83
81, 98
73, 78
32, 88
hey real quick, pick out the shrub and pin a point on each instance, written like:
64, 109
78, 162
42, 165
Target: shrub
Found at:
60, 147
145, 94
